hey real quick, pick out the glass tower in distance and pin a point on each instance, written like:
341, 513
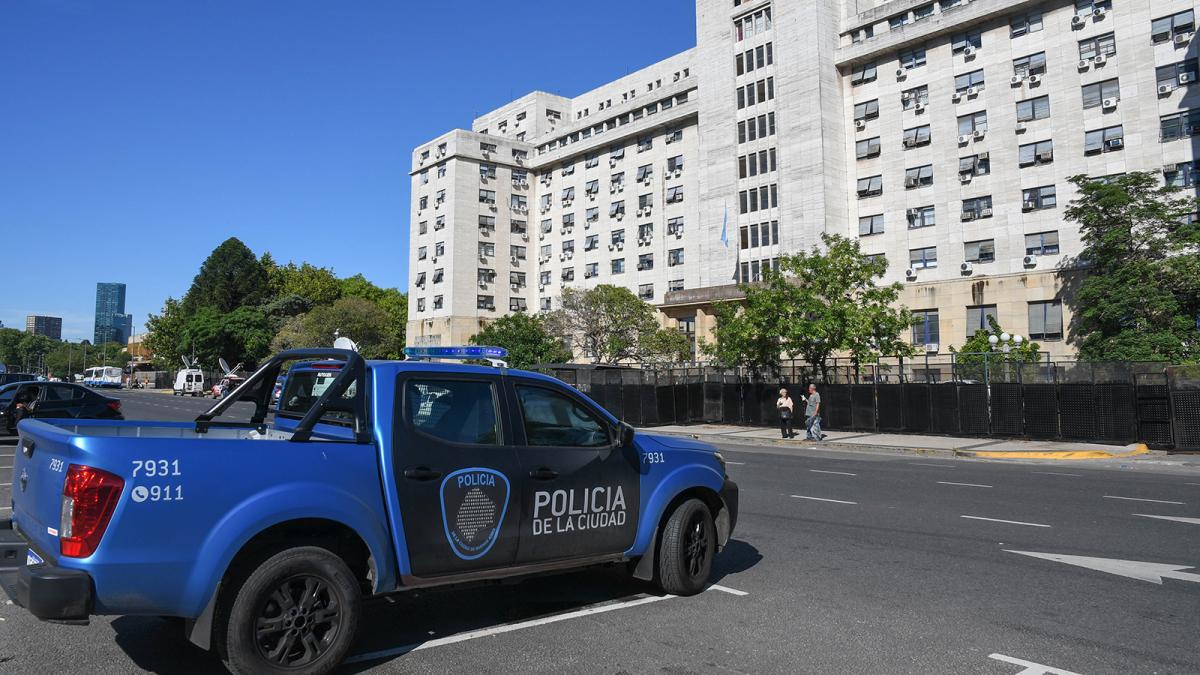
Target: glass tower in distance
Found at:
112, 323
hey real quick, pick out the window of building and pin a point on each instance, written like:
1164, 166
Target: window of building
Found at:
487, 147
675, 226
1038, 198
646, 291
977, 319
675, 164
568, 195
1105, 45
870, 186
926, 329
644, 143
674, 135
420, 280
1169, 27
921, 216
923, 258
1025, 23
439, 275
616, 152
1034, 64
568, 274
617, 266
437, 302
863, 73
675, 285
917, 136
423, 227
975, 165
544, 278
425, 177
646, 201
439, 249
918, 176
441, 171
911, 98
616, 209
485, 275
645, 172
1108, 139
486, 224
1181, 175
1041, 152
867, 110
592, 187
617, 238
645, 262
1179, 125
517, 252
868, 225
923, 12
674, 257
423, 203
592, 214
545, 304
420, 304
960, 41
422, 253
973, 79
899, 20
568, 222
977, 207
1045, 321
972, 122
487, 171
1095, 94
867, 148
487, 196
518, 227
1033, 109
674, 194
912, 58
983, 251
1041, 243
1175, 75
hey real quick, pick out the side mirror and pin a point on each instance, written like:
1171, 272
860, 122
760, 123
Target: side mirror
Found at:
626, 435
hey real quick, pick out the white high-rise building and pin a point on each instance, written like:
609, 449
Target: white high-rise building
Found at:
941, 134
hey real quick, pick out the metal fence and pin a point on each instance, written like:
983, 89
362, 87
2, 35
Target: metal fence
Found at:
1067, 400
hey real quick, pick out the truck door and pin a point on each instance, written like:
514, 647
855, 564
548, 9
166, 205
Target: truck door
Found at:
581, 490
457, 473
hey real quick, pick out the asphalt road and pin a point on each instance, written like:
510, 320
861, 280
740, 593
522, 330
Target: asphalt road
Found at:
842, 562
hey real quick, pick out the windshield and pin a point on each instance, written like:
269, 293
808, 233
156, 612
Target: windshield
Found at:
6, 396
304, 387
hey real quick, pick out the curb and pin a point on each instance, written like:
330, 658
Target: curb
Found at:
1141, 449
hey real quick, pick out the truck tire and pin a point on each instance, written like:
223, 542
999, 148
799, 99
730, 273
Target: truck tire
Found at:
295, 613
685, 556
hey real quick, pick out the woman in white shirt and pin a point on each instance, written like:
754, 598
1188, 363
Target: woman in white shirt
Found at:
786, 409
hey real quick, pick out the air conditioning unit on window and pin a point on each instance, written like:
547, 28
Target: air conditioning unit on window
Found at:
901, 73
515, 286
1100, 59
979, 133
860, 124
913, 214
587, 275
966, 268
956, 96
1098, 12
964, 139
1029, 205
1108, 103
482, 283
971, 91
1077, 21
919, 106
910, 273
985, 212
965, 177
1115, 143
1034, 80
1183, 38
1165, 89
968, 215
932, 347
1016, 80
1020, 127
541, 288
1045, 157
1029, 261
969, 51
1084, 64
1185, 78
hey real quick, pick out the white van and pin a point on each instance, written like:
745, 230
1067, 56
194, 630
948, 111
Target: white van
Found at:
189, 381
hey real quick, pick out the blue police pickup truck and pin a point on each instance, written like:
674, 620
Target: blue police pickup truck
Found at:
372, 477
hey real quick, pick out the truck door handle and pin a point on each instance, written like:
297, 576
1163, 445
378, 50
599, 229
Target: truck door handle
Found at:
422, 473
543, 473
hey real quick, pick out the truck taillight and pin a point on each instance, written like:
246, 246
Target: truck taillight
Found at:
89, 498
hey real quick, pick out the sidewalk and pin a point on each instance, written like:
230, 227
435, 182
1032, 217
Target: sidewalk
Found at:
945, 446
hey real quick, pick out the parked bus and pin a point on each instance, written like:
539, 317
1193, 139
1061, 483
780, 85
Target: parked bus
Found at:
103, 376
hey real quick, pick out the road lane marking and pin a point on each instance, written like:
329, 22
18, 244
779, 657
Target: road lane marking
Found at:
726, 589
944, 482
1191, 483
836, 473
1134, 569
520, 625
1056, 473
1139, 499
1178, 519
5, 484
822, 499
735, 463
1030, 667
940, 466
1010, 522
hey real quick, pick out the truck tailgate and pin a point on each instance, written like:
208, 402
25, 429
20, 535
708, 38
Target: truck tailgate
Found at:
43, 454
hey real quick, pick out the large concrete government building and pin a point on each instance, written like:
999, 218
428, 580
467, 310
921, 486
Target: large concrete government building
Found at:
940, 134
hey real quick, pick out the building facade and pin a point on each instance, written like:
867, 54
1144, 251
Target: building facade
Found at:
940, 134
112, 323
50, 326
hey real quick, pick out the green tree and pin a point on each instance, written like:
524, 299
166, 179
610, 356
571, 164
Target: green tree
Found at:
608, 324
241, 335
359, 319
317, 285
977, 356
164, 335
229, 278
1139, 298
820, 303
526, 339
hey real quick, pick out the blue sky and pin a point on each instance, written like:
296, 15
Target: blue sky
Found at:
135, 136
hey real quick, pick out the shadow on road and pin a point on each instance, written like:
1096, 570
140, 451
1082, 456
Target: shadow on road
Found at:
159, 646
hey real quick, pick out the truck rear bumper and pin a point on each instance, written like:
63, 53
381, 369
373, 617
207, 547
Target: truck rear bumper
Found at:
49, 592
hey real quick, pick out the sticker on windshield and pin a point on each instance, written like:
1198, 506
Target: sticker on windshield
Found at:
474, 502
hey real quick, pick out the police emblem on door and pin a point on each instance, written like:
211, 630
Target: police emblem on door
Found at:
474, 502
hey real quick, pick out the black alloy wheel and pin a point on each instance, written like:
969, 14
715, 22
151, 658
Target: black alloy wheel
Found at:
299, 621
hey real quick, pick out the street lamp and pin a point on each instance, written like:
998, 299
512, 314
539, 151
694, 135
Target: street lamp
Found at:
1006, 342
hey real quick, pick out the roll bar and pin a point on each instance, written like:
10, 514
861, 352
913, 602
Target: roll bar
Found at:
259, 386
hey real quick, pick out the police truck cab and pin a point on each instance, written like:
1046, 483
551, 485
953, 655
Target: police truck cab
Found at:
373, 477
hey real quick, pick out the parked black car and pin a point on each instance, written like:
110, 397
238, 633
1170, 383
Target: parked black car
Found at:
53, 400
9, 378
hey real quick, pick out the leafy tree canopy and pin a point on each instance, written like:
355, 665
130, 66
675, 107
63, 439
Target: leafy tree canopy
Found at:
609, 324
526, 339
229, 278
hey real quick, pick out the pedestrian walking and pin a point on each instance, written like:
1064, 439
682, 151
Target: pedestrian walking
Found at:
812, 415
786, 408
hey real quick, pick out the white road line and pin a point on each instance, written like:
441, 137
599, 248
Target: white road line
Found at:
1139, 499
507, 628
5, 484
940, 466
1178, 519
1056, 473
821, 499
734, 463
726, 589
944, 482
1010, 522
1030, 667
5, 508
836, 473
1191, 483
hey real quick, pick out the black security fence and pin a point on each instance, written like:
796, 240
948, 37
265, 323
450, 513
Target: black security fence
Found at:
1077, 401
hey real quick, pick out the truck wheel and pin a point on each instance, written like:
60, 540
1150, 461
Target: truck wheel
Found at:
296, 613
685, 556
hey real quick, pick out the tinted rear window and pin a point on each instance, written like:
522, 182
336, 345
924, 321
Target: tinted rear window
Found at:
304, 387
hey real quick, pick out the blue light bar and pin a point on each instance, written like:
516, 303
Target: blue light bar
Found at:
456, 352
